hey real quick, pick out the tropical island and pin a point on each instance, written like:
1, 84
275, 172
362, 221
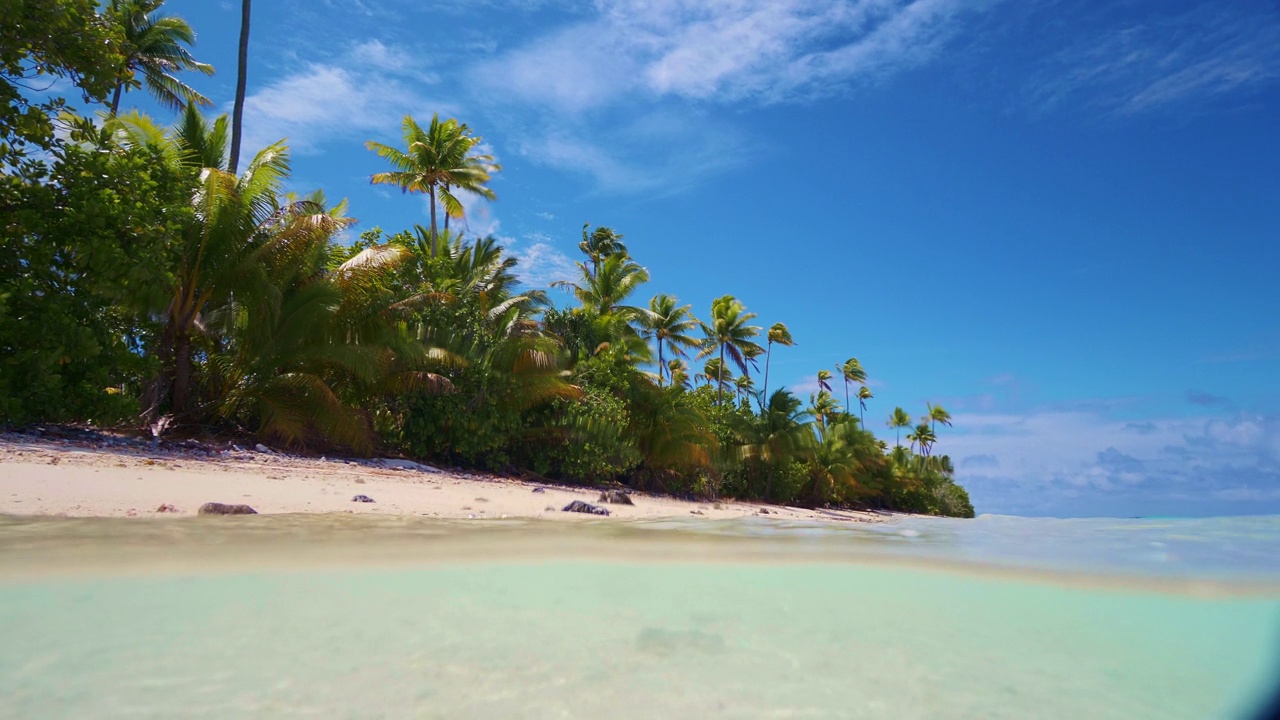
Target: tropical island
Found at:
158, 278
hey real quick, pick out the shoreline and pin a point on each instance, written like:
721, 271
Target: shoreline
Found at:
40, 476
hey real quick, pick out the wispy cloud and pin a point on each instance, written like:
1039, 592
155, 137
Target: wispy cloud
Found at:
363, 92
627, 94
766, 50
655, 153
1198, 397
1212, 50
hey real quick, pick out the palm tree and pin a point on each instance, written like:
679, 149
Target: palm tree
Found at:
242, 77
822, 406
743, 385
438, 159
603, 292
669, 325
237, 225
678, 373
824, 380
938, 415
600, 244
780, 434
778, 333
898, 420
864, 394
153, 47
852, 371
729, 333
922, 435
713, 372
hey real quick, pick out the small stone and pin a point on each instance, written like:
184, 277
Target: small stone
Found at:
166, 508
362, 498
696, 512
213, 508
359, 481
262, 448
582, 507
550, 508
763, 511
481, 500
541, 490
617, 497
717, 506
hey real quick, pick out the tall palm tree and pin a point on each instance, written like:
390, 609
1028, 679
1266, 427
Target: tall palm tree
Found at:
938, 415
436, 161
851, 370
242, 78
824, 380
600, 244
669, 325
898, 420
730, 334
778, 333
864, 394
743, 386
153, 47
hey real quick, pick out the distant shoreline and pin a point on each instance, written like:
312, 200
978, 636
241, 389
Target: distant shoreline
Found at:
46, 477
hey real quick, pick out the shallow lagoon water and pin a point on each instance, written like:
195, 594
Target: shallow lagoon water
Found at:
364, 617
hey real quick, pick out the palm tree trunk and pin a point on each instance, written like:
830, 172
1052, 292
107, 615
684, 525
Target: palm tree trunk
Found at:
115, 99
720, 378
767, 357
181, 373
661, 364
431, 191
846, 396
242, 74
446, 217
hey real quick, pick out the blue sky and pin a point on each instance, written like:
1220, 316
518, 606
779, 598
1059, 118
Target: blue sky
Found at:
1059, 220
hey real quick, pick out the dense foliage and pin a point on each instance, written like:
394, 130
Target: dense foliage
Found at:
144, 280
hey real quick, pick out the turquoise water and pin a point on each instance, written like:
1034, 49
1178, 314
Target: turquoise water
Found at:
362, 617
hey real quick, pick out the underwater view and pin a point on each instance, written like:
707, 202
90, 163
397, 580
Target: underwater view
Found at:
365, 617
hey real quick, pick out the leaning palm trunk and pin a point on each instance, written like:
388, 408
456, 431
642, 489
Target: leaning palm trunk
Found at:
242, 74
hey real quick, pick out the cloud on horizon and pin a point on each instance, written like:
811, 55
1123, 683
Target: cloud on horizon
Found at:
1083, 462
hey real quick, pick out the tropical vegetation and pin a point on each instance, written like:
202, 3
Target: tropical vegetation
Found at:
148, 280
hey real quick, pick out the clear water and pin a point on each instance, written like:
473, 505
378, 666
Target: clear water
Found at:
365, 617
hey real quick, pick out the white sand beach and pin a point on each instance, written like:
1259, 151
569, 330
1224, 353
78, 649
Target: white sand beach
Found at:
64, 478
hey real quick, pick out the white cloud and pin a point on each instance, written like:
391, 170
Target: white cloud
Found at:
364, 93
541, 262
768, 50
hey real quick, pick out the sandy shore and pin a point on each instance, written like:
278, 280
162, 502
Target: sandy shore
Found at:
53, 477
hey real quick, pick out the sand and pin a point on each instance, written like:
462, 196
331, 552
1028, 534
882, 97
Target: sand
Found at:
52, 477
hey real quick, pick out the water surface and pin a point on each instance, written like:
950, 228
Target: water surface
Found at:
368, 617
